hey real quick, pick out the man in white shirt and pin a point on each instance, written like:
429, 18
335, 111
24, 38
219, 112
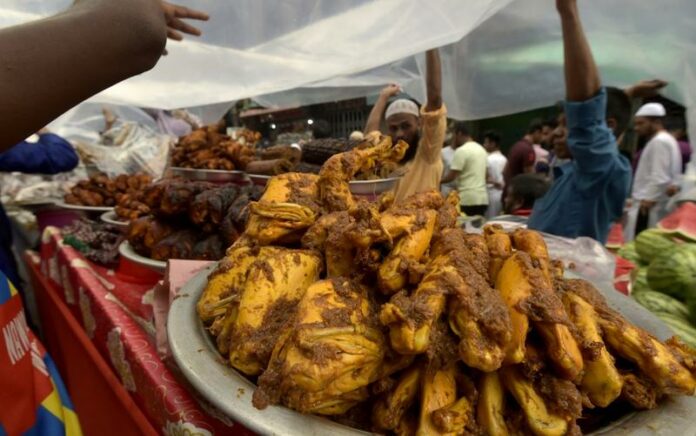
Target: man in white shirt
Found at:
659, 167
495, 165
447, 156
468, 168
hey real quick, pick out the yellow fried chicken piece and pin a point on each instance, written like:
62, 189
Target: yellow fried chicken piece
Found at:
499, 248
490, 410
274, 285
389, 410
515, 287
551, 320
325, 361
539, 419
438, 390
601, 381
410, 248
339, 169
654, 359
453, 419
289, 205
225, 283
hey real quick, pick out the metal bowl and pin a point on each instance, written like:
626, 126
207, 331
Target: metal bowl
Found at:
214, 176
373, 187
259, 179
197, 357
82, 208
110, 217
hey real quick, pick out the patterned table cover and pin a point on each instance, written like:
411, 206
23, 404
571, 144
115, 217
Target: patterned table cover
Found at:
116, 311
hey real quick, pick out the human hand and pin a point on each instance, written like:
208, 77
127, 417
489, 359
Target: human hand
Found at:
672, 190
646, 88
390, 91
646, 205
174, 16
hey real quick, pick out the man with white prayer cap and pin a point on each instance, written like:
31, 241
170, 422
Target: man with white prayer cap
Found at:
659, 167
423, 129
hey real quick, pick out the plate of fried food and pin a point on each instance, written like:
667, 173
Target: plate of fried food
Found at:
110, 217
331, 315
100, 193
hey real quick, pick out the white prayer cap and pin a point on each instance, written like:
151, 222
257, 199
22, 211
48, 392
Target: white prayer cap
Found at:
402, 106
651, 110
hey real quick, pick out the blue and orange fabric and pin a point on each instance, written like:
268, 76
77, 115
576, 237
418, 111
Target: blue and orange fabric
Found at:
33, 399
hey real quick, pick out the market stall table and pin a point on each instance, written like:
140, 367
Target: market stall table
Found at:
115, 313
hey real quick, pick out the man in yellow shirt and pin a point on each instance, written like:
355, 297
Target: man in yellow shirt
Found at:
424, 130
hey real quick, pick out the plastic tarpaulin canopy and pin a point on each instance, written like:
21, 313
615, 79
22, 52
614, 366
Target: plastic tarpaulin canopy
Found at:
500, 56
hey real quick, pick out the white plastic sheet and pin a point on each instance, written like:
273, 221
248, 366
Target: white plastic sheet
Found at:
502, 56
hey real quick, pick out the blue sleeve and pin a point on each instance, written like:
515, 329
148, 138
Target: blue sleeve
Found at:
50, 155
589, 138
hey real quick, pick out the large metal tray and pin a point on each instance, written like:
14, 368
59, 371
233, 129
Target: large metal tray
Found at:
231, 393
82, 208
215, 176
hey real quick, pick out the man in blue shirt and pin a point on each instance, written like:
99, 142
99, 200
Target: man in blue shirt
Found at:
589, 192
51, 154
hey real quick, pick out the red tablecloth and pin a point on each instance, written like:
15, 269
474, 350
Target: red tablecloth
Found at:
115, 311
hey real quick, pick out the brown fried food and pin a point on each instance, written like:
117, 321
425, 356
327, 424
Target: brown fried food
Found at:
324, 363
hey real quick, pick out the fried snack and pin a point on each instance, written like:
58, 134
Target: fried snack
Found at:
389, 410
339, 169
550, 318
438, 390
601, 381
490, 410
288, 205
515, 287
453, 419
329, 355
499, 247
274, 285
409, 249
653, 358
539, 419
100, 190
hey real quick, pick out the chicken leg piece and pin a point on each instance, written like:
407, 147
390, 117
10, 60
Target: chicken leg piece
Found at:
654, 359
390, 409
438, 390
339, 169
490, 410
324, 363
499, 248
273, 287
601, 380
539, 419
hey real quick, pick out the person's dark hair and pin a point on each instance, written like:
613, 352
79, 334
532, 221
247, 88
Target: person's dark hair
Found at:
492, 136
460, 127
526, 188
321, 129
618, 108
551, 122
535, 126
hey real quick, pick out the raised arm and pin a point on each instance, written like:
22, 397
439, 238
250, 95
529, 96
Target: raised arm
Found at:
433, 80
581, 74
52, 64
375, 119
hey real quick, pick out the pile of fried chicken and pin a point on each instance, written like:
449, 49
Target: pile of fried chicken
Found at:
209, 148
389, 318
101, 191
189, 220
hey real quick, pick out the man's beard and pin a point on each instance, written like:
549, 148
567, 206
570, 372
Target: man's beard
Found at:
411, 151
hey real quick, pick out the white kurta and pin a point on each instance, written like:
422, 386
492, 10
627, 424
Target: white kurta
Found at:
659, 168
496, 165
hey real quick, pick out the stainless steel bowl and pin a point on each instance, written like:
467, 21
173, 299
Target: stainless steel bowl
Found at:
259, 179
373, 187
214, 176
